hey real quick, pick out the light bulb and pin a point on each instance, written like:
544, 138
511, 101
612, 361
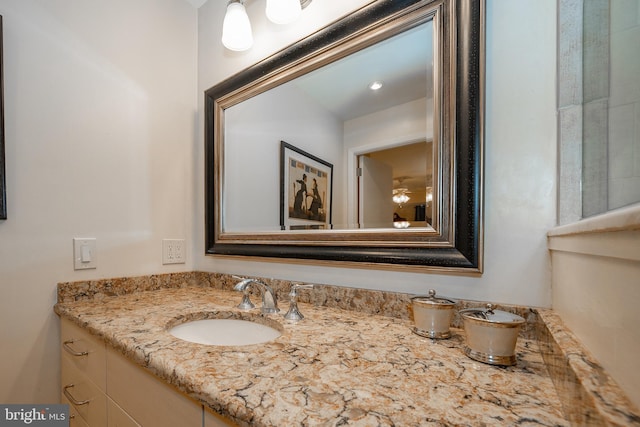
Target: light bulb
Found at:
236, 28
400, 198
283, 12
375, 85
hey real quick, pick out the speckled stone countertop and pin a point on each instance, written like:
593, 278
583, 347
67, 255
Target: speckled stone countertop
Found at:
335, 367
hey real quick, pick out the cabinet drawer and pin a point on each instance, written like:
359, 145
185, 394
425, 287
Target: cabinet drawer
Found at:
85, 397
75, 419
84, 351
147, 399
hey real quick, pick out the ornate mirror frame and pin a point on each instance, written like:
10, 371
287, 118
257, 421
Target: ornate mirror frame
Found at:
455, 242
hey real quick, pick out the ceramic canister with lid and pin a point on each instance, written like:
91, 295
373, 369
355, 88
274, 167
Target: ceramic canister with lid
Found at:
491, 335
432, 315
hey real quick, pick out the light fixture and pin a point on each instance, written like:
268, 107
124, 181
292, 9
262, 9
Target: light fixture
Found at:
236, 28
375, 85
283, 12
400, 196
401, 224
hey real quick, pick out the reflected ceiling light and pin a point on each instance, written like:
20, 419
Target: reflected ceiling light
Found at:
375, 85
236, 28
400, 196
283, 12
401, 224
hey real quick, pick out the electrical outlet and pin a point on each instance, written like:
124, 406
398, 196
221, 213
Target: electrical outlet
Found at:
173, 251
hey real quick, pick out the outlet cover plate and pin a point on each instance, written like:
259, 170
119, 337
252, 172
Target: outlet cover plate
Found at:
173, 251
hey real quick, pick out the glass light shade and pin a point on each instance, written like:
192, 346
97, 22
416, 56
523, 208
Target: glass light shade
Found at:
283, 11
236, 28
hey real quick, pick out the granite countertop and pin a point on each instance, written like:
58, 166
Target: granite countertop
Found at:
335, 367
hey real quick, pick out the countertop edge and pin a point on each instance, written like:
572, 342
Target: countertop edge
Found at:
579, 377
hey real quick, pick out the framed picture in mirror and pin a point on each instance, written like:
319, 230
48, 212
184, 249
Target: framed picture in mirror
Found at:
305, 190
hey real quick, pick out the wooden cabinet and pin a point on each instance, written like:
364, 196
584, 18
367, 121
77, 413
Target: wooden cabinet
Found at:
147, 399
105, 389
75, 419
213, 419
118, 417
84, 375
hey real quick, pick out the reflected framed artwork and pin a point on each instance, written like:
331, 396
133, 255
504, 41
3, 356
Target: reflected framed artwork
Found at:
305, 190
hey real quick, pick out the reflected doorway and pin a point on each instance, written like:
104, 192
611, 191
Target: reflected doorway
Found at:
395, 186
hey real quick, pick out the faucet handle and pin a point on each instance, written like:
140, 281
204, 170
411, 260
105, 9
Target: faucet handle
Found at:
295, 286
293, 313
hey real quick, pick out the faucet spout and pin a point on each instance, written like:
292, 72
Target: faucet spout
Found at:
269, 300
242, 285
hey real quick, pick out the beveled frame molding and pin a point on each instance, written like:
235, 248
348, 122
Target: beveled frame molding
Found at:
457, 243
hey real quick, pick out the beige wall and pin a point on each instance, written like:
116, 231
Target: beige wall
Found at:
100, 104
596, 289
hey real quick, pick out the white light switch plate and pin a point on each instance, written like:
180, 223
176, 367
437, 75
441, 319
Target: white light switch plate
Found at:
173, 251
85, 255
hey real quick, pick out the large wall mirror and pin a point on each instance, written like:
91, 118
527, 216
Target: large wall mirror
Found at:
360, 144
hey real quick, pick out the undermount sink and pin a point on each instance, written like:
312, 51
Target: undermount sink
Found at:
225, 332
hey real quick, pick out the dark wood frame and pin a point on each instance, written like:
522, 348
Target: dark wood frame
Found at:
3, 190
465, 29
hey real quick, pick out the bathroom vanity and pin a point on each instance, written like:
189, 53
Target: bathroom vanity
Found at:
335, 366
103, 388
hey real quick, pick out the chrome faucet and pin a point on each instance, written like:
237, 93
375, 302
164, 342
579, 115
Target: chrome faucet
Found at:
269, 300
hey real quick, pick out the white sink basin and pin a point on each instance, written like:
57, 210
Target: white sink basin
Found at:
224, 332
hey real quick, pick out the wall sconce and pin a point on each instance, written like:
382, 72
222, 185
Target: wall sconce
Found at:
236, 28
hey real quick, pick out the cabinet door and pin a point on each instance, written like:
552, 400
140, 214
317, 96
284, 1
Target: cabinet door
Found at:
118, 417
148, 400
213, 419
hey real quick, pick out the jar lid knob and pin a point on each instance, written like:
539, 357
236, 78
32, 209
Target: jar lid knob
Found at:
490, 308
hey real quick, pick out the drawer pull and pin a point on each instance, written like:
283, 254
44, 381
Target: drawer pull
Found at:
72, 399
70, 350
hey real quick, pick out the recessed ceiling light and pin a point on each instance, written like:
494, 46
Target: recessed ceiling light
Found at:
375, 85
